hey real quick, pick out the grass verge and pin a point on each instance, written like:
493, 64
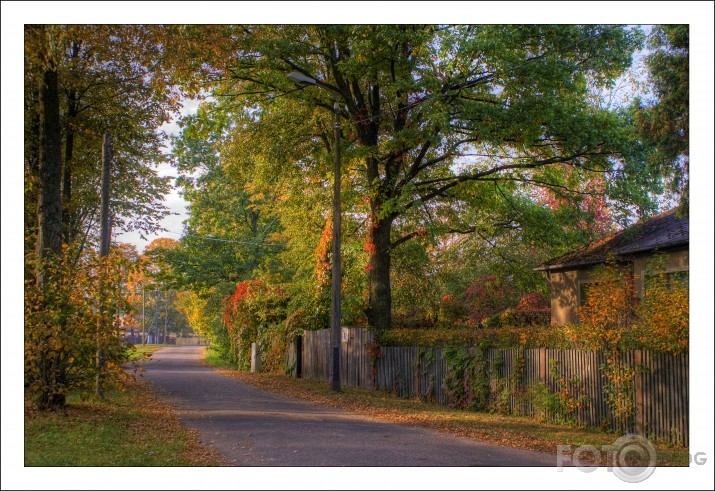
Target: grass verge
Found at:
129, 428
506, 430
213, 358
143, 351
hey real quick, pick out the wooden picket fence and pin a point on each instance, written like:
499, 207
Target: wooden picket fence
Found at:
355, 360
190, 341
660, 389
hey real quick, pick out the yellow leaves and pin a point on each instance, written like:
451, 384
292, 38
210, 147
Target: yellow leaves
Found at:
76, 309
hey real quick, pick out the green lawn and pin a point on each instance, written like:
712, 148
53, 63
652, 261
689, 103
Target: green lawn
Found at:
129, 428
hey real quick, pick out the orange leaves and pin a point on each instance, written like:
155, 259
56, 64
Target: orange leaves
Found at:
233, 302
255, 313
609, 309
322, 253
613, 318
619, 388
369, 246
663, 315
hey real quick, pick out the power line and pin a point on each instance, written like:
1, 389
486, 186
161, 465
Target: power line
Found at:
217, 239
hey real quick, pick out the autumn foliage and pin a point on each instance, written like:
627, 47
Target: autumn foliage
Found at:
486, 296
610, 307
663, 314
77, 310
256, 313
614, 318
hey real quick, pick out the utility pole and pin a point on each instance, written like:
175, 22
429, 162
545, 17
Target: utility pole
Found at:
155, 320
104, 240
143, 313
166, 314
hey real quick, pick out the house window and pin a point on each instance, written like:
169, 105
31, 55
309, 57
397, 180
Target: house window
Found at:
672, 278
583, 288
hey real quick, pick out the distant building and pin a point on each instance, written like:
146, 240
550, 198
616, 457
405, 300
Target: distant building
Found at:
632, 247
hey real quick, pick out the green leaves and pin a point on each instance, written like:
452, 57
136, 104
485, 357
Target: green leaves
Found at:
489, 129
663, 127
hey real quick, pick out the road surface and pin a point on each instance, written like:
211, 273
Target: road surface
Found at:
253, 427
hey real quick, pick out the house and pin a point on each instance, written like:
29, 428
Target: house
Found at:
632, 247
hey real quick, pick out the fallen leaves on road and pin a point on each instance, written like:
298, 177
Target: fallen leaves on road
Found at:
506, 430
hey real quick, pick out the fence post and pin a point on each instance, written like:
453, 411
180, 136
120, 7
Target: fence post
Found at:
638, 389
543, 369
255, 358
298, 356
418, 369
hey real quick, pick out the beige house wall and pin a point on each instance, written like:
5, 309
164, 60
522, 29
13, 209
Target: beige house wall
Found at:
676, 261
565, 285
564, 295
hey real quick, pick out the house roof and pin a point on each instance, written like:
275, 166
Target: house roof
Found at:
663, 231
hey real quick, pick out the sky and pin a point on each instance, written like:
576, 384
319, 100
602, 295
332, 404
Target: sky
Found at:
173, 201
14, 14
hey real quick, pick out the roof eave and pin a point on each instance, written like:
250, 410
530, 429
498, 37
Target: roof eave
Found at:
684, 243
555, 267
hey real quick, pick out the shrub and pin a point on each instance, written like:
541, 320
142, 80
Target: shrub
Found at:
451, 311
533, 309
487, 296
256, 313
663, 314
610, 307
613, 319
75, 312
467, 381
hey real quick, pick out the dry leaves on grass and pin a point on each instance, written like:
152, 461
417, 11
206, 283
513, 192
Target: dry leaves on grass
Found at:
129, 428
162, 417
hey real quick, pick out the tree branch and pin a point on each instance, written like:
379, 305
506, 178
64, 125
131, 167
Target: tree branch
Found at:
454, 181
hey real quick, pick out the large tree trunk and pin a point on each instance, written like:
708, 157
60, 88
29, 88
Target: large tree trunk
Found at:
49, 201
49, 228
379, 312
67, 176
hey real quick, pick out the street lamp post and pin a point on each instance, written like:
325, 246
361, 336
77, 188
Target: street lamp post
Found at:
335, 313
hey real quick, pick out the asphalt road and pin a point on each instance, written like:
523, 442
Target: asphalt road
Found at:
257, 428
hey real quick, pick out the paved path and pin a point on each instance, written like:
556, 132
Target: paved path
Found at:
257, 428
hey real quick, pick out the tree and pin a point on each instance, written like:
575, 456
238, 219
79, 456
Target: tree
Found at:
43, 51
161, 304
66, 319
109, 79
436, 115
663, 124
82, 82
226, 232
